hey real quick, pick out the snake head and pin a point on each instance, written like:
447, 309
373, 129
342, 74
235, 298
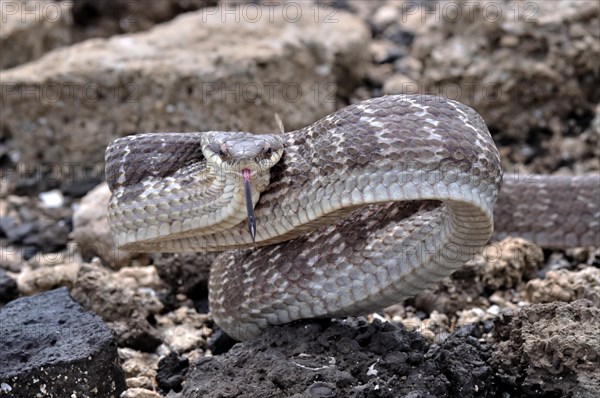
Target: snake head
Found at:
243, 155
234, 152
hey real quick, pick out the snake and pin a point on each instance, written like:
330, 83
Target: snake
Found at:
360, 210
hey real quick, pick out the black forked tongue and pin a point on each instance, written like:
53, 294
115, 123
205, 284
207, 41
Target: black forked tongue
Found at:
249, 207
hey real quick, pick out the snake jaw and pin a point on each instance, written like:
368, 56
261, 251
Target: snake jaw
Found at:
249, 205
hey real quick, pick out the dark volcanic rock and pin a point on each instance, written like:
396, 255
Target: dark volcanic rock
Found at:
45, 236
344, 358
136, 333
171, 371
8, 288
184, 272
99, 18
51, 347
220, 342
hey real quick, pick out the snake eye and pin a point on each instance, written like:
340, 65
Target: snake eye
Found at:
267, 148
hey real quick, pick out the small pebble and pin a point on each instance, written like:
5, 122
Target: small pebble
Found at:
52, 199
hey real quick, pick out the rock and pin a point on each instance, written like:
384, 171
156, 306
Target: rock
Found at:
139, 382
140, 393
143, 276
52, 199
350, 357
385, 16
364, 9
37, 280
509, 263
136, 333
123, 301
523, 69
173, 78
113, 296
34, 229
104, 19
400, 84
436, 327
38, 236
384, 51
564, 285
11, 258
550, 350
503, 266
31, 28
171, 372
220, 342
474, 316
184, 329
138, 364
51, 347
92, 232
185, 273
8, 288
182, 338
375, 78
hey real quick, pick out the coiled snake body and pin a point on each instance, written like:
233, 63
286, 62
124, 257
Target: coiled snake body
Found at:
358, 211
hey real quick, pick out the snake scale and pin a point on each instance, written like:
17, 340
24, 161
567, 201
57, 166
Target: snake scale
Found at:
358, 211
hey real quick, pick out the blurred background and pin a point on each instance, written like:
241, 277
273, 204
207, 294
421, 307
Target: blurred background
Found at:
77, 74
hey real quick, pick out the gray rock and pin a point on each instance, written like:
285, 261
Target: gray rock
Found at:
51, 347
199, 72
93, 18
523, 66
127, 303
37, 236
29, 29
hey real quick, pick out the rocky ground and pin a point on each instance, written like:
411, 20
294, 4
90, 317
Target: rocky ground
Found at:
81, 318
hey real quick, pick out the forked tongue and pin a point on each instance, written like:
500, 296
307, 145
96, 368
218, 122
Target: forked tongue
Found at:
249, 207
